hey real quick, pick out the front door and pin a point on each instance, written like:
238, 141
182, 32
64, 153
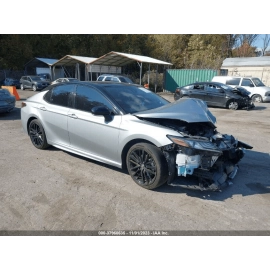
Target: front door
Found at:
93, 135
215, 95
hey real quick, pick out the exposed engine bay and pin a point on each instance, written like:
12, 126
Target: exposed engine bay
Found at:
201, 151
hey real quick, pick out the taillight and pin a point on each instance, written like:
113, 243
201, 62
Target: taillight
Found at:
23, 104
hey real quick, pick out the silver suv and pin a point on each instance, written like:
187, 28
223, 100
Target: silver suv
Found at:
33, 82
114, 78
258, 91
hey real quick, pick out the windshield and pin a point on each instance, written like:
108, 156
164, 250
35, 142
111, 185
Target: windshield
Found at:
257, 82
225, 86
134, 99
241, 91
126, 80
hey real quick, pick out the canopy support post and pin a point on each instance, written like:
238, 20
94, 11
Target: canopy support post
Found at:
140, 65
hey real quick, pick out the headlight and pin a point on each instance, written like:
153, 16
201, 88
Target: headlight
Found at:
194, 143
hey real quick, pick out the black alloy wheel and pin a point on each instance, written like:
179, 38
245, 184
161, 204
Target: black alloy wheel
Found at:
37, 135
147, 165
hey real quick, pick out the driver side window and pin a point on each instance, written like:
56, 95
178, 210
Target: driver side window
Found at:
198, 86
87, 98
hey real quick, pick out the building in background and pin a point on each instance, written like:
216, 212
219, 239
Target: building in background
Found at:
248, 66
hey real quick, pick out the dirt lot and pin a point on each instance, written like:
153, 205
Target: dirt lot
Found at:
51, 192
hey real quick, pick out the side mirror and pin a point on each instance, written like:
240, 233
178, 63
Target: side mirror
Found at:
100, 110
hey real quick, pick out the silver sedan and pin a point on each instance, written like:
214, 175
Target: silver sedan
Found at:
132, 128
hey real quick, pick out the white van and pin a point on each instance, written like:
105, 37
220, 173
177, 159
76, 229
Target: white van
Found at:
258, 91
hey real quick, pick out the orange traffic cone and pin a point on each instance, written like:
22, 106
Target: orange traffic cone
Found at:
12, 90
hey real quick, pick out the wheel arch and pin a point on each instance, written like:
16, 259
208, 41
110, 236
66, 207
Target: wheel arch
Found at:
257, 95
232, 99
28, 122
127, 147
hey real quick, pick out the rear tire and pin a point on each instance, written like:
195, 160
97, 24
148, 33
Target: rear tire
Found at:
37, 134
147, 165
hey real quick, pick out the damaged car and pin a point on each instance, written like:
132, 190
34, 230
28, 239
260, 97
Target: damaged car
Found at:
130, 127
216, 94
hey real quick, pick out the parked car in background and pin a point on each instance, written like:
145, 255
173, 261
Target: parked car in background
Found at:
216, 95
128, 126
114, 78
11, 82
7, 101
258, 91
33, 82
60, 80
45, 76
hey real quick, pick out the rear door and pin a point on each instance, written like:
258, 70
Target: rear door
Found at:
198, 91
248, 85
27, 82
55, 113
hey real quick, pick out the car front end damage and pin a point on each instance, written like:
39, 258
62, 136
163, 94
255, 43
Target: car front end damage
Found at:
213, 161
198, 150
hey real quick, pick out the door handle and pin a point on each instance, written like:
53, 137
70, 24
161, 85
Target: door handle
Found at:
73, 116
43, 108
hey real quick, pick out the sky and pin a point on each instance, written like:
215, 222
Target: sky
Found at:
259, 42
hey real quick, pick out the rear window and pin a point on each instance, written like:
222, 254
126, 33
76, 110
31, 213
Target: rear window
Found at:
234, 81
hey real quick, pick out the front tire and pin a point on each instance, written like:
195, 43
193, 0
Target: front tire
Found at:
257, 98
37, 135
232, 105
147, 165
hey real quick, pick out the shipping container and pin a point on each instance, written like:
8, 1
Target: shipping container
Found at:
181, 77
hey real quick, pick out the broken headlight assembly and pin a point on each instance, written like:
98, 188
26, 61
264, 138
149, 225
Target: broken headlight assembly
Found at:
196, 143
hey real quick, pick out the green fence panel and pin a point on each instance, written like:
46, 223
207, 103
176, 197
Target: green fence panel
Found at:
181, 77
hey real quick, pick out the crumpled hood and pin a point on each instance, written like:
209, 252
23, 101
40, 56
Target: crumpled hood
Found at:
190, 110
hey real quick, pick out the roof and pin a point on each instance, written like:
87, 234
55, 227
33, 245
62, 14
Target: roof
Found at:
121, 59
70, 60
246, 61
41, 61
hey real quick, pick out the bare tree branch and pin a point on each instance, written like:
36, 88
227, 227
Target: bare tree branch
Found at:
249, 39
266, 41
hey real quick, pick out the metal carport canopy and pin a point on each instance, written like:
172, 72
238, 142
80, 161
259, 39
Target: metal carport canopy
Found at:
121, 59
70, 60
37, 60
